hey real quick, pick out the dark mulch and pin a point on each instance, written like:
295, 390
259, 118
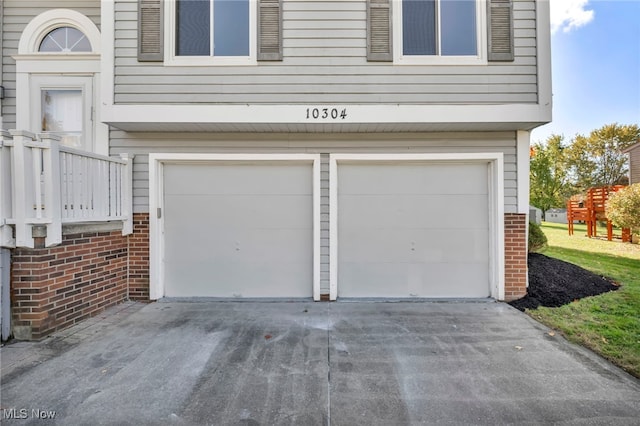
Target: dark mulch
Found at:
553, 282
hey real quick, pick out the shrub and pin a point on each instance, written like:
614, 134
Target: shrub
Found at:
623, 207
537, 239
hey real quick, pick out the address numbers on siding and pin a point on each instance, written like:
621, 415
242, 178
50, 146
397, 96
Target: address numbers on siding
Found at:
326, 113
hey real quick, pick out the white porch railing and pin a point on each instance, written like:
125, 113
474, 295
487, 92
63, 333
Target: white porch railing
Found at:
45, 183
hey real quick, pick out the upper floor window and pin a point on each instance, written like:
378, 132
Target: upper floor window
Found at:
439, 31
65, 39
439, 27
213, 31
212, 28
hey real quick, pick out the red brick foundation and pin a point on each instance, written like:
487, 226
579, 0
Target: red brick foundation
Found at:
515, 256
53, 288
139, 258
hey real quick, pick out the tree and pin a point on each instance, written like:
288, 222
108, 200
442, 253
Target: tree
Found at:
548, 174
623, 207
598, 160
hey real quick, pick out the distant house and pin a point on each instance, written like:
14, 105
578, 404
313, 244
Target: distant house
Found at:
535, 215
634, 163
556, 215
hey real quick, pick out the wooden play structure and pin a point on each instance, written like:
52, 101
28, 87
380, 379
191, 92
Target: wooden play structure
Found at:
591, 210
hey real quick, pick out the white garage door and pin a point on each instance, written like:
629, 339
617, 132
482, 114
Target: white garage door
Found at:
413, 230
238, 230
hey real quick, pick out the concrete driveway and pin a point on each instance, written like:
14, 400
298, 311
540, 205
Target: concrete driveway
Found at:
305, 363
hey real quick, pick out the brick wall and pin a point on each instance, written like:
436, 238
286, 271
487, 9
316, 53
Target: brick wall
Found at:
515, 255
53, 288
139, 258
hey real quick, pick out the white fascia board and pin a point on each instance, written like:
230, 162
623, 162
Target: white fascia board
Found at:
297, 114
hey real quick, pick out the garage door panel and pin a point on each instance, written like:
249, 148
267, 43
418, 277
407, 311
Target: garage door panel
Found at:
238, 230
412, 280
411, 211
403, 178
407, 245
243, 245
415, 229
237, 179
225, 279
260, 211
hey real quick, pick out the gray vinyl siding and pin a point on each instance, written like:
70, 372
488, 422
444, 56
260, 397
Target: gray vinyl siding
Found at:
141, 144
325, 61
634, 165
17, 14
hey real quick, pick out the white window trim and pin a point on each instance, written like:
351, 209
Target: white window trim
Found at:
171, 59
156, 201
31, 64
495, 161
481, 38
47, 21
64, 82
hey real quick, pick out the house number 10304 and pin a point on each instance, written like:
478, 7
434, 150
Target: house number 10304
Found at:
326, 113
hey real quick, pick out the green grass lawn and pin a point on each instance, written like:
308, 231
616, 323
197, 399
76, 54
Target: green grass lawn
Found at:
609, 323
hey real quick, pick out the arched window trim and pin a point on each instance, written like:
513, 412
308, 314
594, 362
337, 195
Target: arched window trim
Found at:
59, 68
48, 21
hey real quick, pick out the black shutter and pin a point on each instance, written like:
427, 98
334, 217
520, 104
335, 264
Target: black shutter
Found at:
150, 31
379, 33
270, 30
500, 30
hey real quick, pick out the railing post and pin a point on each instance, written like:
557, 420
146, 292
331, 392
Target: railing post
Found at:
22, 168
6, 208
127, 195
52, 178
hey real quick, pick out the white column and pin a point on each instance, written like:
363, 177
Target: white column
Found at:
127, 195
22, 190
52, 188
6, 205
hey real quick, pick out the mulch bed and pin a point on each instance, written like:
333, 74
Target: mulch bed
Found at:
553, 282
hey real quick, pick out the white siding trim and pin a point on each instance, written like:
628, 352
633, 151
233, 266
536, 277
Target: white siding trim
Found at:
107, 12
296, 114
495, 160
543, 40
523, 139
156, 191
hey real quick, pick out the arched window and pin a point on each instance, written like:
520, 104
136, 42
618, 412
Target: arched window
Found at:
57, 79
65, 39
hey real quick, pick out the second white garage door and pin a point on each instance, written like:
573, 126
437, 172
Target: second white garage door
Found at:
413, 230
238, 229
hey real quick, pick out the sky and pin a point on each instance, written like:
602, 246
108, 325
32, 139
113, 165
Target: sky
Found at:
595, 54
